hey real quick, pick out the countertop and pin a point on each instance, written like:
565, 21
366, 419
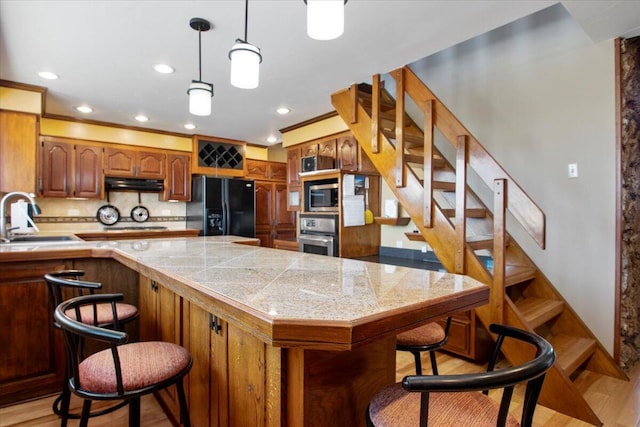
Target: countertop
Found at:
287, 298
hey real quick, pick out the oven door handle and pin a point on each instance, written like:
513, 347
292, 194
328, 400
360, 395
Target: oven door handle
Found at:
317, 239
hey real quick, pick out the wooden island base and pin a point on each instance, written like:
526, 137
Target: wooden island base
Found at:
337, 385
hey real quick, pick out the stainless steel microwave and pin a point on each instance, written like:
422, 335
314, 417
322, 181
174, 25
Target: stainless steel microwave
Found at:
314, 163
323, 198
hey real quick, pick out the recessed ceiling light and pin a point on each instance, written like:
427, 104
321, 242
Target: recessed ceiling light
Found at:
142, 118
48, 75
283, 110
163, 68
189, 126
84, 109
272, 139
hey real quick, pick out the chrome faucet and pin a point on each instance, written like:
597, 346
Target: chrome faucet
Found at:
4, 233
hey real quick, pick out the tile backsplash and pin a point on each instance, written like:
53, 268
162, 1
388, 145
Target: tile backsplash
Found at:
81, 215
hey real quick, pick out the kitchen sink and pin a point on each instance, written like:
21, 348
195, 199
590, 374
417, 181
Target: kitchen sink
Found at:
36, 239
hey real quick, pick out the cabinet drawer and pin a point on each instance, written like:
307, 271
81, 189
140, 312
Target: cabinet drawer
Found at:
459, 336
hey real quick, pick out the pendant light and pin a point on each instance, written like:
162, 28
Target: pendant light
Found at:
200, 93
325, 18
245, 60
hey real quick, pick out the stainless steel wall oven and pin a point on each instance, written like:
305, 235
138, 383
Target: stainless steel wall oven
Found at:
319, 234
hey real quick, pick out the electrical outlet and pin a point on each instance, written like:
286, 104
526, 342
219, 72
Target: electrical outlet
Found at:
398, 243
424, 249
572, 170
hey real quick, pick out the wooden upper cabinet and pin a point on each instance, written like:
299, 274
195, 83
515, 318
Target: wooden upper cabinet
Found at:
88, 171
57, 169
262, 169
309, 150
134, 163
177, 184
69, 169
328, 148
347, 153
18, 151
293, 166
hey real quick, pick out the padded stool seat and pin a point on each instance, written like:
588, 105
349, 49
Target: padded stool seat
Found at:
473, 409
429, 337
429, 333
143, 364
103, 315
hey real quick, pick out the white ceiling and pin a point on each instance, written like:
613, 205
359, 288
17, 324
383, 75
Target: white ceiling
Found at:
104, 52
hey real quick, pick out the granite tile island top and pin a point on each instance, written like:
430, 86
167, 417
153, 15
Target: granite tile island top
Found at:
279, 293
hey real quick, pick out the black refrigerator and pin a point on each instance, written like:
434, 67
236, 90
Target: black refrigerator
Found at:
221, 206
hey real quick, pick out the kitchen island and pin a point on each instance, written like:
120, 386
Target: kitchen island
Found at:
279, 338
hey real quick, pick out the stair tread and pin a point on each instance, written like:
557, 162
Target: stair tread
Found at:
572, 351
537, 310
469, 212
411, 139
515, 274
437, 161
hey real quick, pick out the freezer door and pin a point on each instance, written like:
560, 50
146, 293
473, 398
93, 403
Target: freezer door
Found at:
240, 206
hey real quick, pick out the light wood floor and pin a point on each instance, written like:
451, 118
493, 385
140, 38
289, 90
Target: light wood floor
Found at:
616, 402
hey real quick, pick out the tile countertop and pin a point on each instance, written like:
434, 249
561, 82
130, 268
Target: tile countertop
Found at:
275, 286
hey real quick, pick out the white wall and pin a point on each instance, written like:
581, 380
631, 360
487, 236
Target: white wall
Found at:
538, 94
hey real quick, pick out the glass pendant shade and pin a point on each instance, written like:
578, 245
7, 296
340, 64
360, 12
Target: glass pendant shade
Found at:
325, 19
200, 94
245, 65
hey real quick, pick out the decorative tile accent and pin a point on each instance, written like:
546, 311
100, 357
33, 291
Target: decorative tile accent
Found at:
89, 219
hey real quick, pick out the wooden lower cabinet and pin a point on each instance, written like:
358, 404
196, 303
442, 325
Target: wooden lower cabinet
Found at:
229, 384
161, 320
31, 349
234, 380
273, 220
467, 337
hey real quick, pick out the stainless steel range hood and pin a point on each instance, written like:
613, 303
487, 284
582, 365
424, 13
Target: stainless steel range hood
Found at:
133, 184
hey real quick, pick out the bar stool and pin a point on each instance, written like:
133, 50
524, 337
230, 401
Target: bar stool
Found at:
461, 399
123, 371
429, 337
99, 315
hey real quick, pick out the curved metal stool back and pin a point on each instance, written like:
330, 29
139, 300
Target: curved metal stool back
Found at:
97, 315
123, 370
458, 400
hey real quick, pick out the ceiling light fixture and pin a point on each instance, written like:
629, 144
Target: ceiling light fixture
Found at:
283, 110
189, 126
245, 59
84, 109
325, 18
200, 93
163, 68
142, 118
272, 139
48, 75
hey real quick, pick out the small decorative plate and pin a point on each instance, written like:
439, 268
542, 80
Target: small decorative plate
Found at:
139, 213
108, 215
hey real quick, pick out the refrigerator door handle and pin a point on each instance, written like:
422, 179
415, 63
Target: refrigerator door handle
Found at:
225, 209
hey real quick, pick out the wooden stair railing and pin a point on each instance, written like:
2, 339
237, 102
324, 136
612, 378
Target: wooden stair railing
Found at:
453, 220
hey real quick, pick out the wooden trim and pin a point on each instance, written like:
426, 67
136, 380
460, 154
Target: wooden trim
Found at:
427, 161
309, 122
618, 257
112, 125
462, 160
114, 145
401, 177
31, 88
375, 114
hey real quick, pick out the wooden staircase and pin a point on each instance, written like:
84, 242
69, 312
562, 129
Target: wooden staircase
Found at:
464, 231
